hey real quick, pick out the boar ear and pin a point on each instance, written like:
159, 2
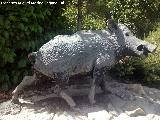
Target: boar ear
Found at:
112, 25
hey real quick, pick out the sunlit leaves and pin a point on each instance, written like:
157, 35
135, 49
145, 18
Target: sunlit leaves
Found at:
140, 14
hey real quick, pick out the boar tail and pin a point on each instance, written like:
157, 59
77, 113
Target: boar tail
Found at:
32, 57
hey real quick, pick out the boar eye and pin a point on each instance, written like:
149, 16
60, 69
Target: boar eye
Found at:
127, 34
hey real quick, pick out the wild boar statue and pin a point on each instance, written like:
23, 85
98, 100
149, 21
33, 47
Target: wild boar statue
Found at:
94, 51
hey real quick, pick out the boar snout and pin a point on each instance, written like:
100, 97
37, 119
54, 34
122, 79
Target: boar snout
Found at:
147, 48
150, 47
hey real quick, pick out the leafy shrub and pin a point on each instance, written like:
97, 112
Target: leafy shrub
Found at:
152, 63
90, 19
139, 15
24, 28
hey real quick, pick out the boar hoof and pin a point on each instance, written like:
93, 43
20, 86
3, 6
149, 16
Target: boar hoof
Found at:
15, 94
15, 100
75, 109
68, 99
15, 91
92, 102
91, 99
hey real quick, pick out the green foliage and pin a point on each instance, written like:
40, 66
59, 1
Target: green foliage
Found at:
152, 67
71, 15
23, 29
139, 15
91, 17
152, 63
129, 69
123, 69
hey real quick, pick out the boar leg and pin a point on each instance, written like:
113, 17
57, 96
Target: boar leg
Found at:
27, 80
67, 98
62, 82
92, 92
101, 79
91, 95
103, 83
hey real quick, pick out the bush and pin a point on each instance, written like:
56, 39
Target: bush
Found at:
24, 28
139, 15
152, 63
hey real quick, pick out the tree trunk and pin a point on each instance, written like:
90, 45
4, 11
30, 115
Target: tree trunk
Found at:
79, 16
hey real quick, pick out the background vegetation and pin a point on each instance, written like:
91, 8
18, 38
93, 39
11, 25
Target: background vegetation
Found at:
24, 28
